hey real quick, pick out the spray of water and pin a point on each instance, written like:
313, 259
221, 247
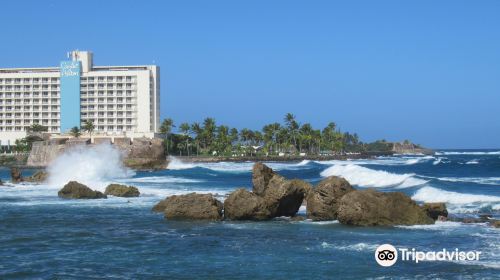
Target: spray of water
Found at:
94, 166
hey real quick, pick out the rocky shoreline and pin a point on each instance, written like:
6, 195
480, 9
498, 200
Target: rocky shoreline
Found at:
273, 196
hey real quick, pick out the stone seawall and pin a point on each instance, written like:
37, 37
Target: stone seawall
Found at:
139, 153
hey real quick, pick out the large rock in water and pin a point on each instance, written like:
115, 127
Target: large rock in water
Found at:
373, 208
121, 190
434, 210
272, 196
75, 190
16, 175
261, 175
193, 206
284, 197
324, 199
160, 206
244, 205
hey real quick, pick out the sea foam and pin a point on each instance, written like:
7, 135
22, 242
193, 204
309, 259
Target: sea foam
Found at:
237, 167
365, 177
93, 166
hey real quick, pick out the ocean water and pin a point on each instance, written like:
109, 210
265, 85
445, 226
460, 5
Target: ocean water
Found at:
42, 236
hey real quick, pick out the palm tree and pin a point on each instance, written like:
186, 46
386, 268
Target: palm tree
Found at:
89, 126
37, 128
166, 129
184, 128
292, 126
209, 128
75, 132
197, 130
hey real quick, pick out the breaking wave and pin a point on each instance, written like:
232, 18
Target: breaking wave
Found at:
93, 166
468, 153
365, 177
430, 194
350, 247
161, 180
176, 164
476, 180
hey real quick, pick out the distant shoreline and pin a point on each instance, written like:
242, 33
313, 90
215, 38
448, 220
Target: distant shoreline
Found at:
210, 159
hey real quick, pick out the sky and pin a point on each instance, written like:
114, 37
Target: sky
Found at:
428, 71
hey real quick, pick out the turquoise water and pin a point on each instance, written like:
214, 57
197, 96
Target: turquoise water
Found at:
42, 236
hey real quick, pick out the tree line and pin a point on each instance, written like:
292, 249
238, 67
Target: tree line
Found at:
290, 137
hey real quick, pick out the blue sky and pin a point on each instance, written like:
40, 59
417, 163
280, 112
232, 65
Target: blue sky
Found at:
428, 71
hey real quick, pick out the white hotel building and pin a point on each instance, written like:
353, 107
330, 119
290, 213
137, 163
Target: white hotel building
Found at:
120, 100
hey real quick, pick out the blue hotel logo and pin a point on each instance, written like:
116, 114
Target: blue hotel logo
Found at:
70, 68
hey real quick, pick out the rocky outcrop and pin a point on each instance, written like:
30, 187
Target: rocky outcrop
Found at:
373, 208
193, 206
272, 196
284, 197
75, 190
261, 175
434, 210
143, 153
406, 147
121, 190
15, 175
244, 205
324, 199
160, 206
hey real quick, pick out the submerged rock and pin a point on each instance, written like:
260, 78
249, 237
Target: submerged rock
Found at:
244, 205
16, 175
38, 177
121, 190
434, 210
193, 206
323, 201
75, 190
495, 223
373, 208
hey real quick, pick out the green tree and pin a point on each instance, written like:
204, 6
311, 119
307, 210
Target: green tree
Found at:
37, 128
293, 128
197, 131
185, 128
75, 131
89, 127
166, 129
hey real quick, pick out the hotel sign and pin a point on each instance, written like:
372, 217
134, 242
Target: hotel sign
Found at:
70, 68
